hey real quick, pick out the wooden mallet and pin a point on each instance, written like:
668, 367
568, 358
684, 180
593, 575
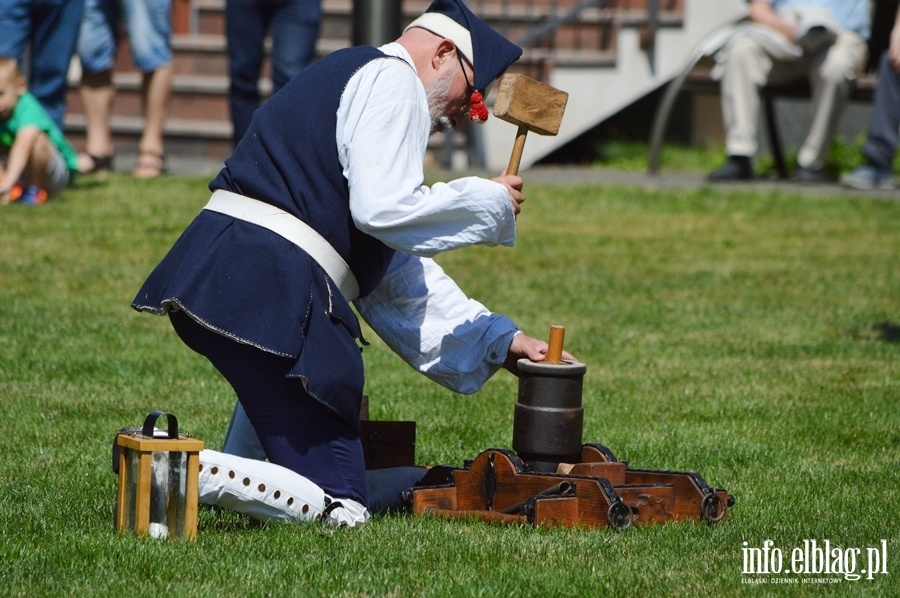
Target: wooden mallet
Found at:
532, 106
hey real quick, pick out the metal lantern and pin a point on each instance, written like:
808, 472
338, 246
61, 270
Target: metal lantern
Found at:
158, 480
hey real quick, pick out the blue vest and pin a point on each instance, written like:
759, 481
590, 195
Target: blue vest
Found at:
289, 158
248, 283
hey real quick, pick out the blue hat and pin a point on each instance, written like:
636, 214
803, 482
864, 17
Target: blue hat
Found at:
489, 53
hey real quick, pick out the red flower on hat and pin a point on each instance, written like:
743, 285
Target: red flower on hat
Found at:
478, 112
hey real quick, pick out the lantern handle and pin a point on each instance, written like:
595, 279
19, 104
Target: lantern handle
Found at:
151, 421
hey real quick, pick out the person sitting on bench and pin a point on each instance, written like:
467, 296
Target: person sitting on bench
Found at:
786, 40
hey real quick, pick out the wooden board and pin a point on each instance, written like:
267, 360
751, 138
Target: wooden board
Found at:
388, 443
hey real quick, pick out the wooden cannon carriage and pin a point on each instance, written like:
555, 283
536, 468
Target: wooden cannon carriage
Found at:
553, 479
599, 491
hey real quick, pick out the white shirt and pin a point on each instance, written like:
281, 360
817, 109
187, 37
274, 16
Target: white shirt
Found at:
382, 134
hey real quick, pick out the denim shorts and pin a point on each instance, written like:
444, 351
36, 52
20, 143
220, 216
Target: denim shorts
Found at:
148, 24
58, 174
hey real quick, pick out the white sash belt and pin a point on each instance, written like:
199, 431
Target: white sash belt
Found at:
291, 228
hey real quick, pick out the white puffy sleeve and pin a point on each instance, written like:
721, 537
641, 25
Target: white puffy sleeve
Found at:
382, 136
424, 317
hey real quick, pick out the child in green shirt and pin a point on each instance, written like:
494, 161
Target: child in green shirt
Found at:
36, 160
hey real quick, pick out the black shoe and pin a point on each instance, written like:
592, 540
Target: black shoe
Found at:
808, 175
736, 168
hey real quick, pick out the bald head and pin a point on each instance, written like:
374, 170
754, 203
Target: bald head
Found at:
430, 53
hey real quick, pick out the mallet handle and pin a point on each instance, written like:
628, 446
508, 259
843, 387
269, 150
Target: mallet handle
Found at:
555, 346
518, 148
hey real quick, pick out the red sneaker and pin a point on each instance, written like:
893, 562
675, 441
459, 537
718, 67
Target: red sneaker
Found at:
15, 193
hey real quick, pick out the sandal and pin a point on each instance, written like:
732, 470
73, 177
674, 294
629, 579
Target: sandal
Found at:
149, 165
89, 163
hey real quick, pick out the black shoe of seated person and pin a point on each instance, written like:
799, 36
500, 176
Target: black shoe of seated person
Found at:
736, 168
808, 176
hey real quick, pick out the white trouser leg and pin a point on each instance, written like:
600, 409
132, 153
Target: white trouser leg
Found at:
269, 492
384, 485
831, 75
746, 69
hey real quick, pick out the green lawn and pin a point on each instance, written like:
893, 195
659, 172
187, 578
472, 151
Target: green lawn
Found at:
751, 337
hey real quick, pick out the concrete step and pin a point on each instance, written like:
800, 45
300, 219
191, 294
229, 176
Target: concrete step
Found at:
194, 97
209, 139
209, 17
205, 54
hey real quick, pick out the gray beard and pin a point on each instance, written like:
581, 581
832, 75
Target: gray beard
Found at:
437, 96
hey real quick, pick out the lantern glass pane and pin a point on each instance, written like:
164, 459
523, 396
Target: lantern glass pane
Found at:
168, 493
132, 459
159, 493
177, 491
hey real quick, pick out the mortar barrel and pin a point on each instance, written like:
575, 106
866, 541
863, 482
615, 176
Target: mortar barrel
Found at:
549, 418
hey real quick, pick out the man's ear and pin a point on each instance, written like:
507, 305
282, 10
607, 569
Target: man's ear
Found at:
446, 50
21, 86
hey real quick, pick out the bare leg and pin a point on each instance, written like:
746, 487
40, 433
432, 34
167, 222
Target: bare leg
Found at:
97, 96
34, 173
36, 170
156, 91
4, 192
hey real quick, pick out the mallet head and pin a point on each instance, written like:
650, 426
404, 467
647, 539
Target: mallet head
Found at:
530, 105
525, 102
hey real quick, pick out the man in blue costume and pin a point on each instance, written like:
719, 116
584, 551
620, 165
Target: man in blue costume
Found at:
322, 204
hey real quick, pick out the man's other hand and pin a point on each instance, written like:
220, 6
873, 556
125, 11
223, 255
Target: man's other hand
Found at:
523, 346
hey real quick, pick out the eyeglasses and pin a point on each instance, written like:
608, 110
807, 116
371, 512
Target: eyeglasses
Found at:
470, 89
